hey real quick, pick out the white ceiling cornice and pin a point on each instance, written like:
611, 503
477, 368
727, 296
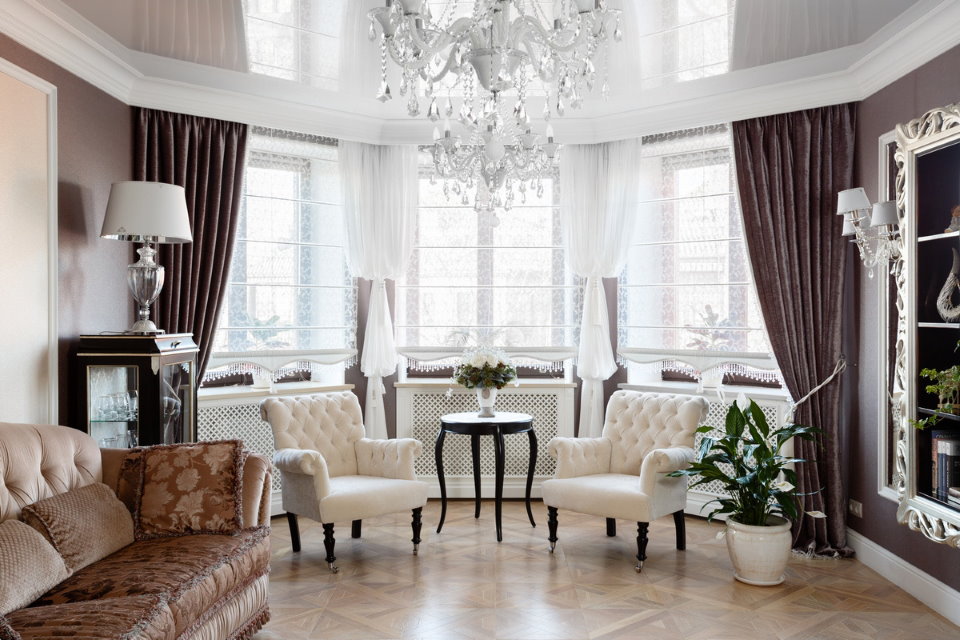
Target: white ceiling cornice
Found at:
58, 33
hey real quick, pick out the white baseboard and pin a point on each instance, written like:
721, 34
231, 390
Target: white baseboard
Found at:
697, 505
921, 585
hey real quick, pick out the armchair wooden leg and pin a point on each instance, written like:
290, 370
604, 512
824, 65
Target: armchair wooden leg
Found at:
328, 544
681, 527
416, 524
611, 527
355, 528
294, 530
552, 526
641, 544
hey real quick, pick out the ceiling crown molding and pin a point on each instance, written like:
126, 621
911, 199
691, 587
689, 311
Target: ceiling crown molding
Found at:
58, 33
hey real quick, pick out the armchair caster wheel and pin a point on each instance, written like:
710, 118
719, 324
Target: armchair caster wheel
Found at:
416, 549
553, 545
333, 568
639, 567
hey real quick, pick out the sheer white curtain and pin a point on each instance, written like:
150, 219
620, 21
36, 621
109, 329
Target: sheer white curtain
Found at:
598, 207
380, 206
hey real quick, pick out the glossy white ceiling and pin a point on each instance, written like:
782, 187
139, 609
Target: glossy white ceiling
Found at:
682, 62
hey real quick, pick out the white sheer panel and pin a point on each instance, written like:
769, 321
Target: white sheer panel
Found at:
296, 40
289, 288
600, 196
687, 282
380, 200
500, 280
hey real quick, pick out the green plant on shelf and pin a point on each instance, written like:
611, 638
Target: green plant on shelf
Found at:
946, 384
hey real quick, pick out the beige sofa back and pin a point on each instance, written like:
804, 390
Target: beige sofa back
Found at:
40, 461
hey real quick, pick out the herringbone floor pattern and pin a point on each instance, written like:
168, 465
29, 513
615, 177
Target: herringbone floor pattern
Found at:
466, 586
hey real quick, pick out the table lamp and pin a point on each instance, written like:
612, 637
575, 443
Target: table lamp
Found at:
151, 213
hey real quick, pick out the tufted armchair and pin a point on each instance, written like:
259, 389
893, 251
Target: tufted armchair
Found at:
331, 473
622, 474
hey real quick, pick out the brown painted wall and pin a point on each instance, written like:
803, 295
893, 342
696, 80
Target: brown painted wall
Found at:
94, 150
933, 85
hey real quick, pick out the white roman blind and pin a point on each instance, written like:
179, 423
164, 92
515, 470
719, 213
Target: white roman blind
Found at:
500, 279
687, 284
289, 288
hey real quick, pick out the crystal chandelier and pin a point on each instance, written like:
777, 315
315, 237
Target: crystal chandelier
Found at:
500, 159
873, 227
502, 48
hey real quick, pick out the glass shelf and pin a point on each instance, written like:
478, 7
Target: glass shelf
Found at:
939, 414
939, 236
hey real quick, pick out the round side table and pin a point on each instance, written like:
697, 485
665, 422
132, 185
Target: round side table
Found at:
474, 426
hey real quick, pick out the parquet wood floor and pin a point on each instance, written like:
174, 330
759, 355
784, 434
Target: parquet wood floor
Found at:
466, 586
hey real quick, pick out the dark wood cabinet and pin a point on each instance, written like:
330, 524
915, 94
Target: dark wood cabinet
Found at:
138, 389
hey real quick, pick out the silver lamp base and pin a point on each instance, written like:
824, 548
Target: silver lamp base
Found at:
145, 278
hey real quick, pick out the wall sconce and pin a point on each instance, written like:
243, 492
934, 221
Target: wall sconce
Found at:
878, 241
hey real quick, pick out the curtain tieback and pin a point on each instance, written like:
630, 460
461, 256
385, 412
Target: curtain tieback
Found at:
594, 313
837, 370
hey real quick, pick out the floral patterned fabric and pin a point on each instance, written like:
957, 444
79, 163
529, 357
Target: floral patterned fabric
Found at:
142, 617
190, 488
193, 573
83, 524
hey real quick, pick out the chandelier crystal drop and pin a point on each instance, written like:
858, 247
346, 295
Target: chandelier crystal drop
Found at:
501, 49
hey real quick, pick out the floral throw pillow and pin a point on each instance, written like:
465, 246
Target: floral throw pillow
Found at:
190, 488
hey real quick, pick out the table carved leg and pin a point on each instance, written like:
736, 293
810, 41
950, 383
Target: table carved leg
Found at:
475, 450
499, 447
438, 453
530, 469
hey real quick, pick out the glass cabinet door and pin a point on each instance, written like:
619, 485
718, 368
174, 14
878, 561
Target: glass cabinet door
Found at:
176, 402
113, 404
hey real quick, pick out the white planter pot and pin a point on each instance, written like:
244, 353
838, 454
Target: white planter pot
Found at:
486, 398
759, 554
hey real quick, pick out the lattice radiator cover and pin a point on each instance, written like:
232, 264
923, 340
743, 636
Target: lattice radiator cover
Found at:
240, 421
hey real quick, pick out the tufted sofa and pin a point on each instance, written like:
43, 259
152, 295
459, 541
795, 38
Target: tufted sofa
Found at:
623, 473
188, 585
331, 473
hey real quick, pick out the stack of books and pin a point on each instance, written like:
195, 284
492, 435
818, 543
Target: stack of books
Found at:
945, 448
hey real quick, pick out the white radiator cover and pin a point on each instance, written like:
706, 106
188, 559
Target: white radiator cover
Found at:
419, 407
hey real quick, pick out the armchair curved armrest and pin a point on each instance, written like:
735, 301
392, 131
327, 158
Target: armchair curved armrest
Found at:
256, 490
304, 462
388, 458
580, 456
662, 461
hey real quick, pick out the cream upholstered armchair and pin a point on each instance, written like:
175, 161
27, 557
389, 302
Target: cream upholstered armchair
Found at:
331, 473
623, 473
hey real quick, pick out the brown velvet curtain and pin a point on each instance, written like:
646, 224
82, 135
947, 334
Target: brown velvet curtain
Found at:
789, 170
206, 158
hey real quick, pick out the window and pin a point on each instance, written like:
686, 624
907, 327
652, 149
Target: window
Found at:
685, 40
498, 279
295, 40
687, 285
289, 288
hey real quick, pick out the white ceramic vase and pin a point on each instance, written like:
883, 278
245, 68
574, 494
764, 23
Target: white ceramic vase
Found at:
486, 398
759, 554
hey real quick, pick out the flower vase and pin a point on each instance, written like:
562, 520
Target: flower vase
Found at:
486, 398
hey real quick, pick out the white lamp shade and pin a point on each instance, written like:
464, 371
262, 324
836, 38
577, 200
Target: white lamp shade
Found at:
852, 200
884, 213
848, 228
147, 212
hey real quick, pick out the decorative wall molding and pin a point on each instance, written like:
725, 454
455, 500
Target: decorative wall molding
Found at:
921, 585
55, 31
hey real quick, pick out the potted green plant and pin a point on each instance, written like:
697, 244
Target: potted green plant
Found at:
760, 484
946, 384
486, 370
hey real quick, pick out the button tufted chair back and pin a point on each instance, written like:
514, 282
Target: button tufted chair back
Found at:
638, 423
326, 422
40, 461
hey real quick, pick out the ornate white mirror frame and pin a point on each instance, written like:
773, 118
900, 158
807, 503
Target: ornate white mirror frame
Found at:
934, 130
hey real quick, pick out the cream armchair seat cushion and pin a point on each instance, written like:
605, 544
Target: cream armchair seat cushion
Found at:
331, 473
623, 473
